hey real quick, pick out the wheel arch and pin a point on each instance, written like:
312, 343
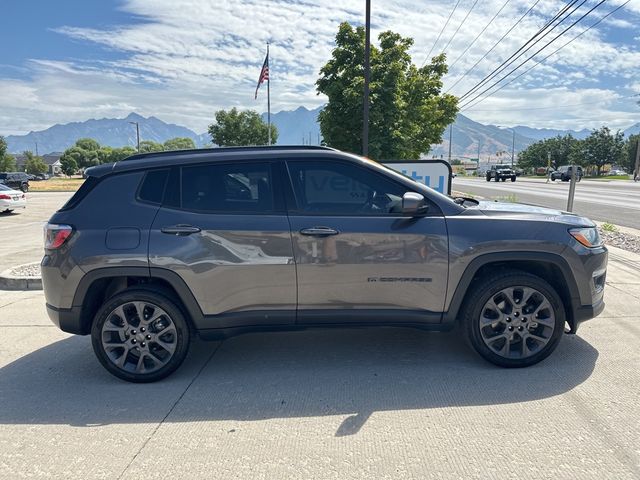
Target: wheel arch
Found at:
548, 266
99, 285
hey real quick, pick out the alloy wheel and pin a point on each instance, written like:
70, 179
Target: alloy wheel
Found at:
517, 322
139, 337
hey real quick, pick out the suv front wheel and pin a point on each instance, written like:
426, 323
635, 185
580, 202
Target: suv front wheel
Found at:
514, 319
140, 336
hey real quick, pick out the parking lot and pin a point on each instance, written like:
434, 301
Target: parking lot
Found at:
359, 403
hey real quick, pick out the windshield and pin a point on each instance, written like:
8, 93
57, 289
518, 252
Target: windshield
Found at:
502, 167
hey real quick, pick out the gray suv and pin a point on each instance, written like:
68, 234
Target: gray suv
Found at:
161, 247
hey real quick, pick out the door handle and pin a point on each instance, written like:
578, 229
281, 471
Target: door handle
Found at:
319, 231
180, 230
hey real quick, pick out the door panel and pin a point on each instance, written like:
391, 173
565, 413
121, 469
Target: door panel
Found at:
355, 251
372, 263
232, 259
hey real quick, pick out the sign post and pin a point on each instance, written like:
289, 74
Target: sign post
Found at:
572, 189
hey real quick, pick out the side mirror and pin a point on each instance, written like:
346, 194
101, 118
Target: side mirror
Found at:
414, 204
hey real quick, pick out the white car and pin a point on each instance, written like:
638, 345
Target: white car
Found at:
11, 199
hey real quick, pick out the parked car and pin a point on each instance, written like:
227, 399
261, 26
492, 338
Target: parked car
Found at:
519, 172
42, 176
564, 173
11, 199
617, 172
500, 172
17, 180
163, 246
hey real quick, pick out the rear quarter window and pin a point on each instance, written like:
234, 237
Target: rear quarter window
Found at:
152, 187
88, 185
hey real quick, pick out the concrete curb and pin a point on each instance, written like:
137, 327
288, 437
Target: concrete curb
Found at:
12, 282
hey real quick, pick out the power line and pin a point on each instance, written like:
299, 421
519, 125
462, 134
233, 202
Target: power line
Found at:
479, 35
467, 103
551, 54
527, 45
555, 107
440, 34
494, 46
459, 26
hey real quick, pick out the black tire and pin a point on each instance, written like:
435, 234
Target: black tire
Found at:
513, 179
24, 187
488, 289
488, 178
180, 339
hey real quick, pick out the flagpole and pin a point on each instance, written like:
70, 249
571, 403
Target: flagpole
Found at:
269, 98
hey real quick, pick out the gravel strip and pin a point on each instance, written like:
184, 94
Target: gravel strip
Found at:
624, 240
30, 270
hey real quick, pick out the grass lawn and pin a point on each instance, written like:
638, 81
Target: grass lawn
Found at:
610, 177
56, 185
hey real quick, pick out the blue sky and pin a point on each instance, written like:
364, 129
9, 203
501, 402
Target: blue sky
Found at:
181, 60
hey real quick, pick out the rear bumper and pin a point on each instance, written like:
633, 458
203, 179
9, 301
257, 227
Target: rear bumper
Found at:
67, 319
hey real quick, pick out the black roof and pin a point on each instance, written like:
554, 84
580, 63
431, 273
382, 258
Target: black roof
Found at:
160, 159
223, 150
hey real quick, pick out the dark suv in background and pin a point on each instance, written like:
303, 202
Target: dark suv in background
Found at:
15, 180
500, 173
163, 246
564, 173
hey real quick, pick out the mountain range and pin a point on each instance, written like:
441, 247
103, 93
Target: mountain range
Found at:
295, 127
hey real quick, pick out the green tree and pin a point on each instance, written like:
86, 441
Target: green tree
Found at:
34, 165
564, 150
631, 152
179, 143
119, 154
603, 147
238, 128
147, 146
68, 165
408, 111
7, 162
88, 144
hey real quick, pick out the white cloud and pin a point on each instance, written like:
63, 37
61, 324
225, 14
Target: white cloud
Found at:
184, 59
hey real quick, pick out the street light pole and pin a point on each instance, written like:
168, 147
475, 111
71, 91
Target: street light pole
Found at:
513, 143
137, 133
367, 68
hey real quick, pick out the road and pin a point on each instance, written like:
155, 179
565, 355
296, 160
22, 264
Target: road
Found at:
21, 231
616, 202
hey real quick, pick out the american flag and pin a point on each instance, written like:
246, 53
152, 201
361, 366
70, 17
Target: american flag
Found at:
264, 74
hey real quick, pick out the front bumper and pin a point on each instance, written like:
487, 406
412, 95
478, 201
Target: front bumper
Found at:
67, 319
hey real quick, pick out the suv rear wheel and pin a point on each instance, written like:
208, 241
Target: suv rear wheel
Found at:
24, 187
514, 319
140, 336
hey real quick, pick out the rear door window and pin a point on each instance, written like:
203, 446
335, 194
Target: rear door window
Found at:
228, 188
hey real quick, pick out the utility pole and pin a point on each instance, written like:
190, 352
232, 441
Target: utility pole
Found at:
478, 152
450, 136
548, 166
513, 148
137, 133
37, 150
367, 68
636, 171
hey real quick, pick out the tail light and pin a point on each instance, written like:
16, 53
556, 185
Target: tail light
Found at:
56, 235
5, 197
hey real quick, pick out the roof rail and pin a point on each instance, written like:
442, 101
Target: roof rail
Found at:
221, 150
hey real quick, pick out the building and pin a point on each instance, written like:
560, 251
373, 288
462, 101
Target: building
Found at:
52, 161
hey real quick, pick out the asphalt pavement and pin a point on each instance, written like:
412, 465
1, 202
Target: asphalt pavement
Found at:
22, 230
614, 201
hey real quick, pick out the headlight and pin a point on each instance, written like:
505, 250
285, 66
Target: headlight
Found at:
589, 237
